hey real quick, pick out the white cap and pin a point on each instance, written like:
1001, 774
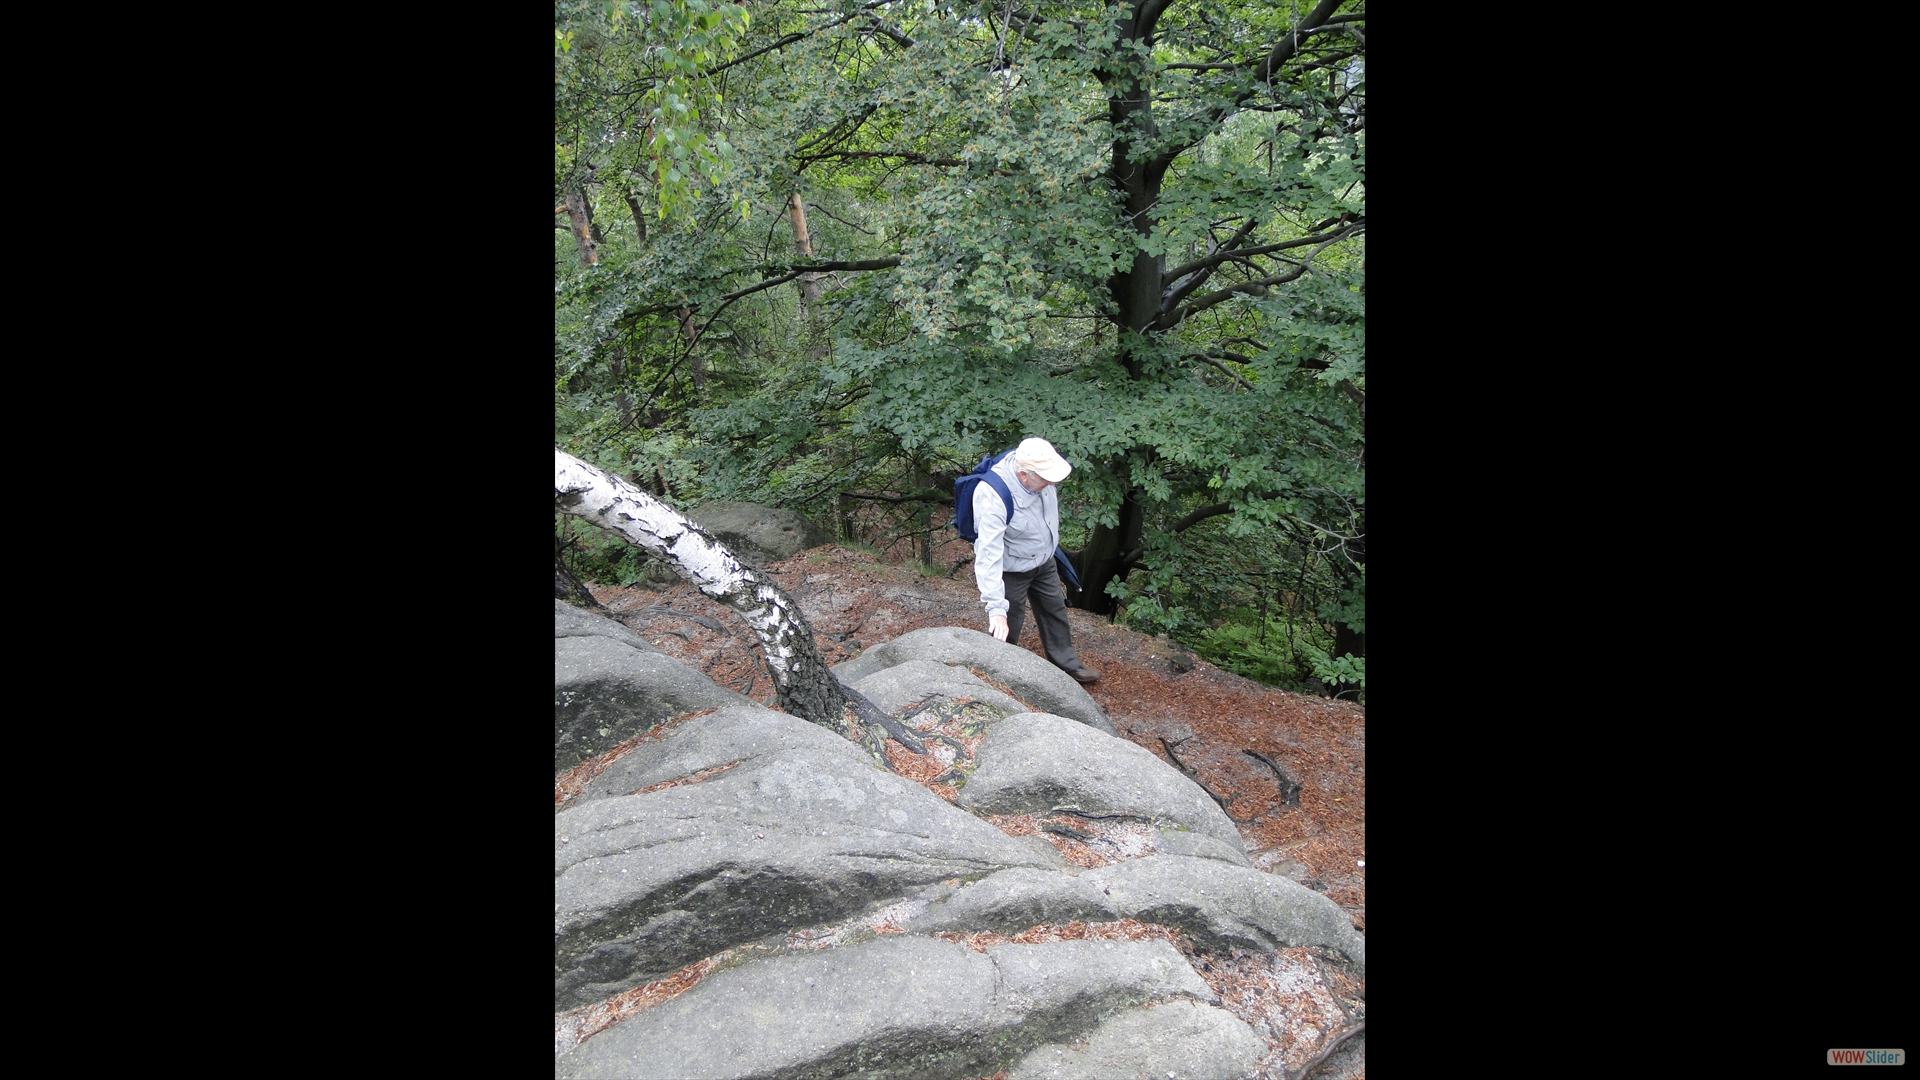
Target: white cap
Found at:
1038, 457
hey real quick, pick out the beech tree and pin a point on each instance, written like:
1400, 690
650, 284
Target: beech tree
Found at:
1136, 228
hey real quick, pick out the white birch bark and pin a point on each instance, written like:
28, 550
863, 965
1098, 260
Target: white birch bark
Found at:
806, 687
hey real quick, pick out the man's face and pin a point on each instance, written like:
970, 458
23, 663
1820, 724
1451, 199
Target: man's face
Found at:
1032, 481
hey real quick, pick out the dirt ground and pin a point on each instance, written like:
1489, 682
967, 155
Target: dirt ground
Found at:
1289, 769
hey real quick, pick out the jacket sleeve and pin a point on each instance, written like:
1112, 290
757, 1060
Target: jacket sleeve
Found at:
990, 550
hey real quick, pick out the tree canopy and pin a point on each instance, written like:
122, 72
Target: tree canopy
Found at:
1136, 229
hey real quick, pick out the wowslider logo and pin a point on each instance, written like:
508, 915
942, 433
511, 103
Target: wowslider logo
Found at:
1866, 1057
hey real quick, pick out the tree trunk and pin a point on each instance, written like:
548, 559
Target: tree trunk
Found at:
809, 283
1139, 293
1136, 292
805, 685
622, 401
696, 366
566, 586
1345, 641
576, 201
923, 515
843, 509
639, 215
1102, 559
1345, 638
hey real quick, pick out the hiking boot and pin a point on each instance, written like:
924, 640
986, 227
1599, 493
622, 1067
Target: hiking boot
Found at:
1084, 674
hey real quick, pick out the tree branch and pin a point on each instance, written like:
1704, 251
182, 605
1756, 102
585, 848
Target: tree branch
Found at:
1263, 73
1195, 518
791, 271
1180, 288
1290, 44
1184, 524
1202, 514
1148, 16
928, 496
841, 220
1227, 251
906, 156
1224, 368
781, 44
1168, 320
798, 36
857, 264
899, 38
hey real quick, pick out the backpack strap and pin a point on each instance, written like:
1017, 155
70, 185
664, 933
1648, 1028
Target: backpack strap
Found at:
1000, 486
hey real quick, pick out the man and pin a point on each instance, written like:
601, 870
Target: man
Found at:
1014, 557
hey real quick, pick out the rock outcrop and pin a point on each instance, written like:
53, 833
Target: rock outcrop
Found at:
1031, 678
761, 535
908, 1007
610, 685
1034, 763
828, 912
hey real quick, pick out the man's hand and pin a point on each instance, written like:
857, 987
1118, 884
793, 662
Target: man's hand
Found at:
997, 626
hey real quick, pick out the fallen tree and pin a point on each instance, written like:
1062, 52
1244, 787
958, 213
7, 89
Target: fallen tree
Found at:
805, 686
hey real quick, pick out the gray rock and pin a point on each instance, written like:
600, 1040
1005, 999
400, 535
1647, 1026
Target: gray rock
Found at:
759, 534
1049, 852
801, 832
1032, 679
1015, 900
1219, 905
1224, 906
1201, 846
1033, 762
1183, 1039
570, 621
898, 1006
899, 687
606, 691
745, 733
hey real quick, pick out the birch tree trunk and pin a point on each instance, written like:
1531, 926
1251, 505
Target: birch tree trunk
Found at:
806, 687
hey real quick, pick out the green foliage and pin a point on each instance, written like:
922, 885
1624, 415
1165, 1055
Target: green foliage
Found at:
1337, 670
1239, 647
1151, 607
636, 92
983, 163
1348, 605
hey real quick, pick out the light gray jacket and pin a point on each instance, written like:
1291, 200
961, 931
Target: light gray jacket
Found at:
1022, 544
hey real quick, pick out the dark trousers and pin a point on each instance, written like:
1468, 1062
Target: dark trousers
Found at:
1049, 612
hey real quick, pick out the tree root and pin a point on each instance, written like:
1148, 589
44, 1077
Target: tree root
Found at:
1194, 775
866, 710
1332, 1044
1289, 791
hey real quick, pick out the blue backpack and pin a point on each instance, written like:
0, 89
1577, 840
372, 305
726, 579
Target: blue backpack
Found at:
963, 510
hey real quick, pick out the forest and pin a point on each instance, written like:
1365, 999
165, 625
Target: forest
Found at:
827, 255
